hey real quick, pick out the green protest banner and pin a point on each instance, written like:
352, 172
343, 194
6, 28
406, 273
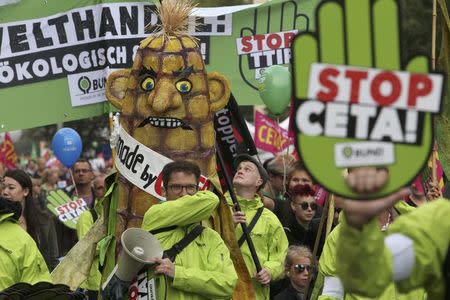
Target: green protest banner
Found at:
55, 55
354, 107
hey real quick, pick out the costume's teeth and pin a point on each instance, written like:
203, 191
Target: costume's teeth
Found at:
166, 122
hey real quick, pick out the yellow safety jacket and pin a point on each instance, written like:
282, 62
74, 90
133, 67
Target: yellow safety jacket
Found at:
367, 268
20, 259
269, 239
203, 270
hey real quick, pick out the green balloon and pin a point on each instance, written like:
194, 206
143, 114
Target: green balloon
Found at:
275, 88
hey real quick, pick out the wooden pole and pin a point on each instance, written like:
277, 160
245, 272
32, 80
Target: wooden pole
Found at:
433, 37
433, 67
111, 128
330, 216
318, 237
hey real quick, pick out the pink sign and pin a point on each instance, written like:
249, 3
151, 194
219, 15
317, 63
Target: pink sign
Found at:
269, 136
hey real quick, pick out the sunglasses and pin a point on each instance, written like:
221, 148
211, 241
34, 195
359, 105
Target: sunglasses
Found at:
300, 268
305, 205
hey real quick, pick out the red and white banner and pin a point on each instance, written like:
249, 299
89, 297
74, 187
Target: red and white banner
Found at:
269, 136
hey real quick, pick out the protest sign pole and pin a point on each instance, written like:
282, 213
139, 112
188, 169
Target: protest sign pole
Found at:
330, 215
433, 67
433, 38
318, 236
111, 129
73, 181
237, 207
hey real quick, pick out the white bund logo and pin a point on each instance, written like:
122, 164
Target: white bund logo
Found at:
87, 88
363, 154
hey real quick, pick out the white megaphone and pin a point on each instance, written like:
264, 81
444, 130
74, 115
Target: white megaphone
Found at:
138, 247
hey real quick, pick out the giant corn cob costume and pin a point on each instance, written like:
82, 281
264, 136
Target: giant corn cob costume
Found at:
167, 102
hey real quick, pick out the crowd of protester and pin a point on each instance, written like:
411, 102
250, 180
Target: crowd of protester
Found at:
30, 185
280, 198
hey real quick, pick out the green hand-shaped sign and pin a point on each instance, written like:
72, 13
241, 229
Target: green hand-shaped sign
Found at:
267, 40
65, 208
353, 106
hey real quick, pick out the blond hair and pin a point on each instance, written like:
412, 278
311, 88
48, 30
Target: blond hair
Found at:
295, 250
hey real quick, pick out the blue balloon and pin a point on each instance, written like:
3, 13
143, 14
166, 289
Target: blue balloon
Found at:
67, 146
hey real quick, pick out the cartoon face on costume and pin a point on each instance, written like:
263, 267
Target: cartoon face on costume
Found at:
168, 101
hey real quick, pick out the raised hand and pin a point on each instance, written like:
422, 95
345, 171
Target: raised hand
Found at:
365, 34
266, 20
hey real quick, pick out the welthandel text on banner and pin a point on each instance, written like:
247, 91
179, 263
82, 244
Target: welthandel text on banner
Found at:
85, 39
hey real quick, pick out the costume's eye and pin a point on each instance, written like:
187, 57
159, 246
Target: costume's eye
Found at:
184, 86
148, 84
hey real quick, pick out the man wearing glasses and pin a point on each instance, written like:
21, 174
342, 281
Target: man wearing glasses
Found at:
82, 188
203, 269
83, 177
267, 232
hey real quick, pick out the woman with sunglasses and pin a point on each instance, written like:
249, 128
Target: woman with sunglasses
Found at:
297, 267
303, 228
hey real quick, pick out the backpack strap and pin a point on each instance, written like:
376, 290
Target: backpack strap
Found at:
183, 243
163, 229
251, 225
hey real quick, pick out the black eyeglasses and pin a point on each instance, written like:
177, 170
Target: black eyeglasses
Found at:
305, 205
77, 171
300, 268
191, 189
